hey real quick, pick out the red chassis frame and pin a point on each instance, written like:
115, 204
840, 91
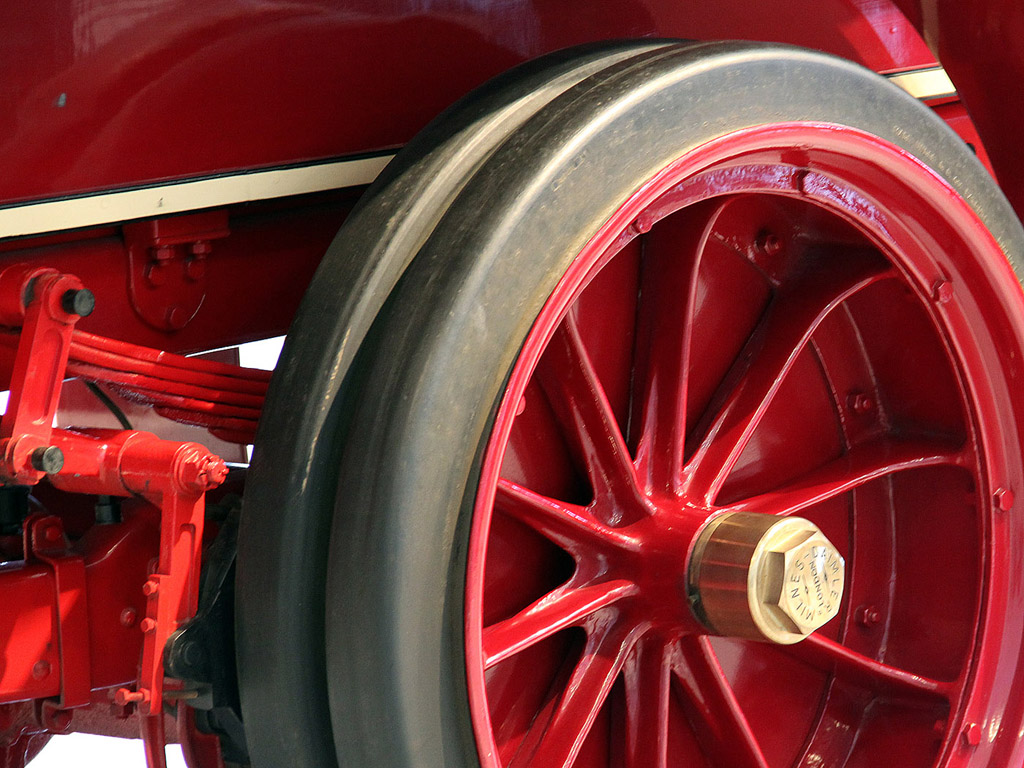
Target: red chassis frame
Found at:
236, 271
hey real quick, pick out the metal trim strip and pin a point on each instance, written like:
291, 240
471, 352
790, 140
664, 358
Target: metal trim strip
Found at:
188, 195
925, 84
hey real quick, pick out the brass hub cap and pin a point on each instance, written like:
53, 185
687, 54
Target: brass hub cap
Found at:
763, 577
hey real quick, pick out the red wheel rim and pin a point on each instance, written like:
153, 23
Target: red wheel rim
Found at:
835, 331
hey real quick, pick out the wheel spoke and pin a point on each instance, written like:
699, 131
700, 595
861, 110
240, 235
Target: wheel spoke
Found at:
647, 679
861, 465
565, 607
582, 408
556, 736
747, 390
664, 332
857, 669
568, 525
718, 722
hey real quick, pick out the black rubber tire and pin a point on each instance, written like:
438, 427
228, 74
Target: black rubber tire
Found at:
290, 489
452, 330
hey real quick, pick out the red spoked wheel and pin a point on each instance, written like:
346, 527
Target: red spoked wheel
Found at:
744, 336
788, 318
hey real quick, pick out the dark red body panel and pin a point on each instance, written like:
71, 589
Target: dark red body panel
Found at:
111, 93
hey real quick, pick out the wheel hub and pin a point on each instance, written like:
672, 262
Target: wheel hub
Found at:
762, 577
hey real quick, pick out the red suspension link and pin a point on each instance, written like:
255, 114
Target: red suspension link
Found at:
42, 302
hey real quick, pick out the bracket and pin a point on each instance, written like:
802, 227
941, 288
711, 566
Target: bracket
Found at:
44, 542
167, 265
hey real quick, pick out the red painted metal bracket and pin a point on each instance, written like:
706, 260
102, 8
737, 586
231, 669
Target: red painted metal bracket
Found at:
45, 543
167, 266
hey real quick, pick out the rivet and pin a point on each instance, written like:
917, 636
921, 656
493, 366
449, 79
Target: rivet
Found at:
942, 291
52, 533
128, 617
522, 406
1003, 499
40, 670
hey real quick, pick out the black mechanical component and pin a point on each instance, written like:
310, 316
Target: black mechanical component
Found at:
81, 302
14, 508
108, 510
109, 404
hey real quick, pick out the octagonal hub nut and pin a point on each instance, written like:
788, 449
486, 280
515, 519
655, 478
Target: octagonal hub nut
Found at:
763, 577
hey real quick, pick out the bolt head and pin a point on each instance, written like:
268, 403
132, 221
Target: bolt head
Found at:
124, 696
971, 735
148, 625
202, 472
1003, 499
813, 575
942, 291
155, 274
81, 302
193, 654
